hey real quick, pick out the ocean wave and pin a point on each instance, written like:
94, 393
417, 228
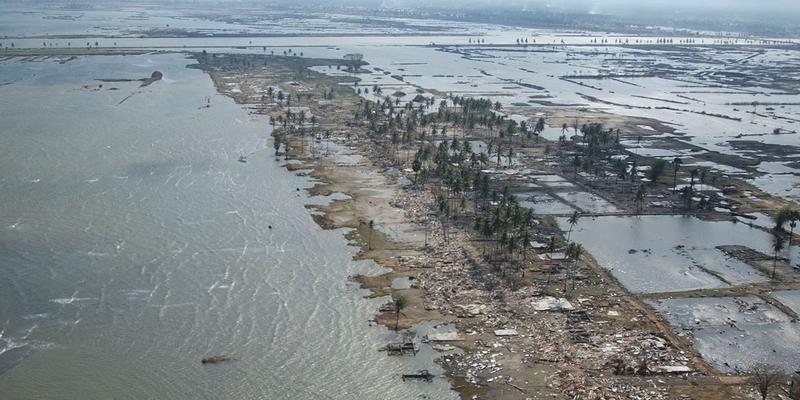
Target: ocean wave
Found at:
35, 316
70, 300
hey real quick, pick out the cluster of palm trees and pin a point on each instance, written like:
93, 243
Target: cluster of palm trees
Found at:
406, 123
272, 94
457, 167
687, 193
508, 226
403, 124
289, 118
599, 153
498, 217
291, 122
595, 139
787, 215
472, 113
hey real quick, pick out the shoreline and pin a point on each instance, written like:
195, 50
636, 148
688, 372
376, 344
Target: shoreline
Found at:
453, 284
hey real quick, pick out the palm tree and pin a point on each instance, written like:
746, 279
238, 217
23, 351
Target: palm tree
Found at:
400, 303
777, 246
551, 247
686, 196
784, 215
574, 251
694, 173
573, 220
523, 128
576, 163
539, 125
702, 179
569, 251
512, 245
640, 198
675, 164
416, 165
369, 239
526, 241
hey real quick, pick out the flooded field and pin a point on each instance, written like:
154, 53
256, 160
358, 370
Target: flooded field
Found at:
652, 254
543, 203
733, 333
134, 21
790, 298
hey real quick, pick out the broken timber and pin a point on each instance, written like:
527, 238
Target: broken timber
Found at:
401, 348
421, 374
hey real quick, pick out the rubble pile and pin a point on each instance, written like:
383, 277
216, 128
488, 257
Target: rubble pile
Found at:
571, 335
577, 385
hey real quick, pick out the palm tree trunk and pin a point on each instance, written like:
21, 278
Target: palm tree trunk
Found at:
774, 264
574, 268
674, 181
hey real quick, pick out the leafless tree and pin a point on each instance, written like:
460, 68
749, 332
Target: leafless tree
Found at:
765, 377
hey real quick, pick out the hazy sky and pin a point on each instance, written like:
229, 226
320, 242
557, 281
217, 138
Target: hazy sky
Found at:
684, 5
617, 5
597, 6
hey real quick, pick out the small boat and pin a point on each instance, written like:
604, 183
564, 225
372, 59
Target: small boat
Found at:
242, 159
217, 359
